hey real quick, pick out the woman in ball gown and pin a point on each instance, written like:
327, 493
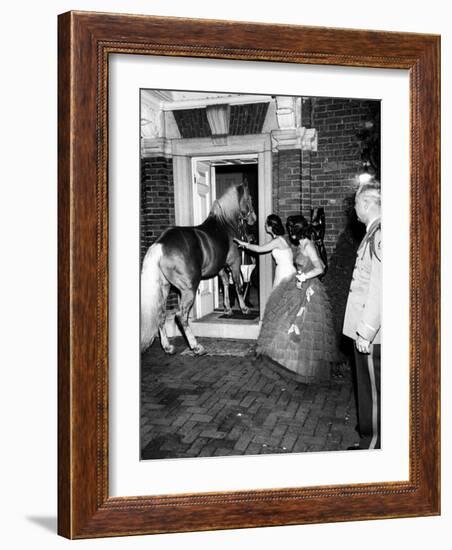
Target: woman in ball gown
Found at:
297, 329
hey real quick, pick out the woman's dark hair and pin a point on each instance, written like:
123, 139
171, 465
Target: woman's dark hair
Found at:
298, 228
275, 224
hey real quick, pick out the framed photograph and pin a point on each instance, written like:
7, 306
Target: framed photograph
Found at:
233, 350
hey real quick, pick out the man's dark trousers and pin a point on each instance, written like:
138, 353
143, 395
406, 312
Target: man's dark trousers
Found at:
367, 367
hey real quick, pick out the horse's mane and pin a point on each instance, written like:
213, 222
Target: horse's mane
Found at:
227, 208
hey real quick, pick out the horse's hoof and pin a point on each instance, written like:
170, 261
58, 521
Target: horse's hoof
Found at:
199, 350
170, 350
245, 310
228, 312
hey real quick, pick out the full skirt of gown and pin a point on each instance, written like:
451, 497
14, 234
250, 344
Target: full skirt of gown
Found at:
305, 344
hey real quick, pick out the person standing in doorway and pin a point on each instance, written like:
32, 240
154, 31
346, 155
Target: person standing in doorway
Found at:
362, 321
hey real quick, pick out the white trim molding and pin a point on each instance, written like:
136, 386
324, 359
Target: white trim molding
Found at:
155, 147
201, 102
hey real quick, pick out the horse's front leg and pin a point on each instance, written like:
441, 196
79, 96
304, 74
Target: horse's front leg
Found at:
237, 278
226, 301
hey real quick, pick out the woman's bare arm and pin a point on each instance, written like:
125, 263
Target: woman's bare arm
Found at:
262, 249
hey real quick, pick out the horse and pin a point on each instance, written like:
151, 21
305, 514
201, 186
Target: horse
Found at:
182, 256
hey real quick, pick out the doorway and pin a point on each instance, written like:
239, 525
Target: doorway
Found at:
211, 178
235, 172
197, 165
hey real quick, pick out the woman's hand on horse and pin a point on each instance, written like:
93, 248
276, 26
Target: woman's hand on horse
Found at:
240, 243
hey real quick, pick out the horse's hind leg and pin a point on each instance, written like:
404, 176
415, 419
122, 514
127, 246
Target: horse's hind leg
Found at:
181, 276
167, 347
164, 342
186, 302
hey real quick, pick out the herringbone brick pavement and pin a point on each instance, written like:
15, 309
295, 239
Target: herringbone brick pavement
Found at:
229, 405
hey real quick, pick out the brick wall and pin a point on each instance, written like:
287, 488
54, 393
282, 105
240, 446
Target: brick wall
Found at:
157, 199
247, 119
287, 183
290, 191
328, 176
192, 123
336, 163
157, 205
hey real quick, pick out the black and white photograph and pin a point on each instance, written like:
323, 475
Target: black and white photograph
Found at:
260, 268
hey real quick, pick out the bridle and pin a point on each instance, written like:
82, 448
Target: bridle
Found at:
243, 217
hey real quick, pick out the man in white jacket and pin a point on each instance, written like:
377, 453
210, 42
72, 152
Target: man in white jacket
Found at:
362, 320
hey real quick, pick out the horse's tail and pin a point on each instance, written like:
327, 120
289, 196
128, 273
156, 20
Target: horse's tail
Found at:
152, 296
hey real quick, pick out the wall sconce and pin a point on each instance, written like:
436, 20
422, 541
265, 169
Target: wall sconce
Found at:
367, 173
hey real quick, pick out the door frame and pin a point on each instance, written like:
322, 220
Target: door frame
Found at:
206, 286
257, 145
212, 160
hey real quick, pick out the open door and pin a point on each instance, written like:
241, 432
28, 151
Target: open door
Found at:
203, 177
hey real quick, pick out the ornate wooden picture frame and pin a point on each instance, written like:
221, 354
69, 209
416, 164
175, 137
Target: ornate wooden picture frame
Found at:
86, 40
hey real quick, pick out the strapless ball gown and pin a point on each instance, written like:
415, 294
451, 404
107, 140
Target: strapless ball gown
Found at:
305, 341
